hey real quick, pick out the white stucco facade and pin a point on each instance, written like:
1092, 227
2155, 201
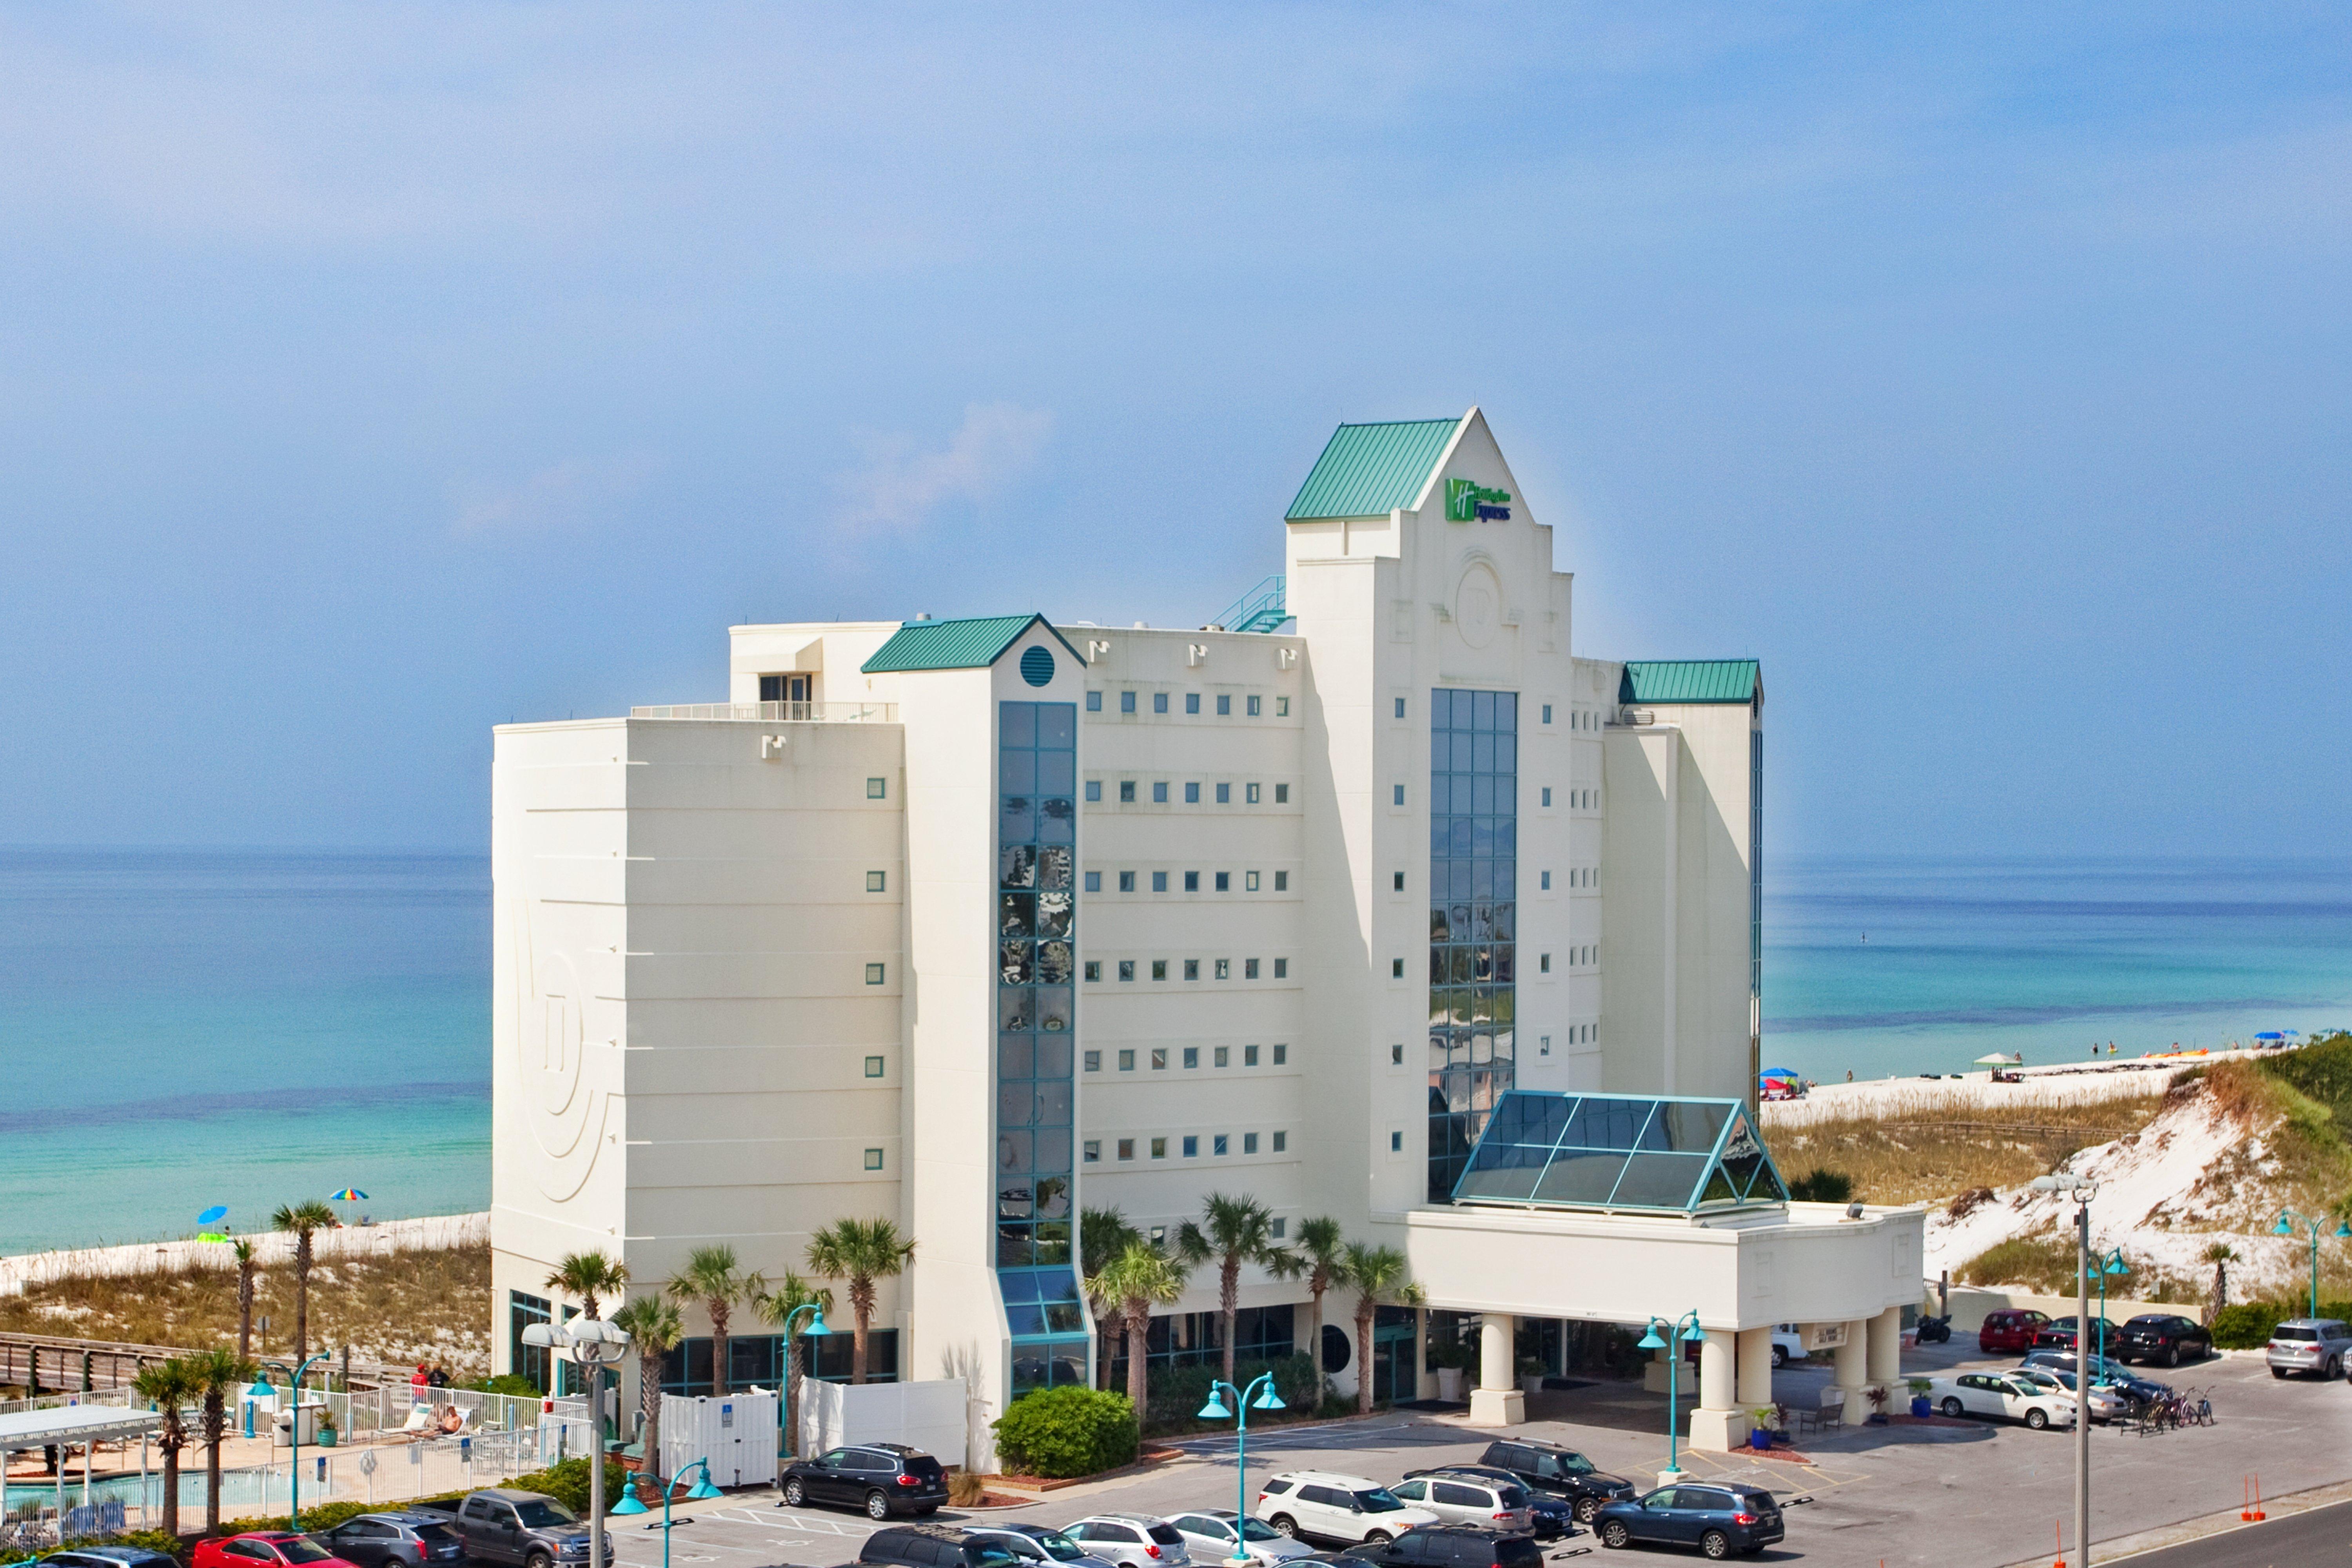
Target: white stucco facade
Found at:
757, 965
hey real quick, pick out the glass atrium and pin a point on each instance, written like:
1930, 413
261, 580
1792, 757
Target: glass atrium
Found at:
1654, 1153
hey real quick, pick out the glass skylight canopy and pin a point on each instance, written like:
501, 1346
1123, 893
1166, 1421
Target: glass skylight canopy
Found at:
1650, 1153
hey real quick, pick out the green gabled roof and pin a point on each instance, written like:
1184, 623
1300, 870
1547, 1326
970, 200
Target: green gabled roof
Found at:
955, 645
1370, 470
1689, 680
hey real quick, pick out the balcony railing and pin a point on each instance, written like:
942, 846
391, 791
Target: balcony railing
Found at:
770, 712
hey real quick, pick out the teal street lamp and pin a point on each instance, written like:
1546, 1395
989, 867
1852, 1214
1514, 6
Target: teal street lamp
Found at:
1258, 1396
791, 1380
700, 1490
1691, 1333
293, 1428
2316, 1226
2103, 1264
594, 1344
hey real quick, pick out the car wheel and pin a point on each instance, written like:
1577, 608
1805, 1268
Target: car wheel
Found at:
1377, 1538
2173, 1355
1715, 1544
2330, 1373
1780, 1357
539, 1559
1284, 1525
795, 1493
1954, 1409
1614, 1533
1586, 1507
876, 1506
2037, 1418
2278, 1372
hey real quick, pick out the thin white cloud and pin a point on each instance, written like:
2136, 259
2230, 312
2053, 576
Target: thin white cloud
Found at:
898, 487
576, 490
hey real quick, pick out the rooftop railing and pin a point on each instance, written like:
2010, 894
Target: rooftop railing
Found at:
770, 712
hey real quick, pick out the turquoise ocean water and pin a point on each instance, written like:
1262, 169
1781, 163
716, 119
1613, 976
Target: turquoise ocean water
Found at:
184, 1028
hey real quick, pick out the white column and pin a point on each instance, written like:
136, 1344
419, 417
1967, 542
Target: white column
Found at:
1853, 1371
1496, 1401
1755, 1367
1716, 1423
1885, 1351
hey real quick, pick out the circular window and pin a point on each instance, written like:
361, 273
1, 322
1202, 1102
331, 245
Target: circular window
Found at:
1038, 667
1337, 1351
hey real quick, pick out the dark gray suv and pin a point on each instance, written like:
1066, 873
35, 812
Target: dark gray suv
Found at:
395, 1540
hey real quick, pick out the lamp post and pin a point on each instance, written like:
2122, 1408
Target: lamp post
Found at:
2342, 1232
2109, 1262
1691, 1334
293, 1433
594, 1344
1245, 1400
2082, 1190
792, 1370
700, 1489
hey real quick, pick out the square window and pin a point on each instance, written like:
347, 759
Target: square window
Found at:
1400, 707
1093, 702
1093, 1061
1126, 1061
1249, 1146
1093, 1151
1396, 1056
872, 1067
1547, 713
1400, 881
1281, 972
1159, 1234
1160, 1058
1093, 790
1127, 701
1398, 797
1159, 703
1224, 881
1192, 1055
1282, 795
1192, 702
1191, 881
1127, 1148
1253, 707
1224, 794
1192, 1147
1543, 964
1281, 884
1396, 1142
1127, 969
1160, 1148
1160, 881
1249, 969
873, 975
1127, 792
874, 1159
1094, 969
1547, 881
1225, 1055
1160, 972
877, 789
1217, 1145
1546, 796
1281, 1054
1281, 1141
1224, 707
1094, 881
1126, 881
1249, 881
1276, 1228
1249, 1056
1191, 795
1249, 794
1159, 792
876, 881
1224, 966
1191, 969
1282, 706
1396, 969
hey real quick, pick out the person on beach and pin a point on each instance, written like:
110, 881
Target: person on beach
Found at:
423, 1378
440, 1378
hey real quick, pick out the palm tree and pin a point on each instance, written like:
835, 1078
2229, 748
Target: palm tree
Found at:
303, 1219
653, 1326
1103, 1235
217, 1376
859, 1251
1233, 1231
776, 1308
1380, 1274
2220, 1255
248, 1265
1139, 1279
711, 1277
171, 1388
588, 1274
1320, 1254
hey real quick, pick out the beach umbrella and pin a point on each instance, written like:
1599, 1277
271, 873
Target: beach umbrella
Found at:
2270, 1035
350, 1195
2000, 1059
1777, 1072
214, 1215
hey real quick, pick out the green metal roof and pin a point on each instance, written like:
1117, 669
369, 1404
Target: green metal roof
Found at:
1689, 680
955, 645
1370, 470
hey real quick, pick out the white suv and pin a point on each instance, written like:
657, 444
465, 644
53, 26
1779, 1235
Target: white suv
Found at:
1336, 1507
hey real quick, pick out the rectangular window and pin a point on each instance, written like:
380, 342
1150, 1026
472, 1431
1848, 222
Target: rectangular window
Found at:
1192, 702
1127, 792
1543, 964
1093, 702
1400, 881
1276, 1228
1249, 969
1224, 881
1160, 881
1396, 1142
1225, 1055
1396, 969
1547, 881
874, 1159
1249, 881
1547, 711
1281, 1141
1224, 794
1159, 703
1217, 1145
1191, 969
1127, 969
1159, 792
1249, 1056
1281, 972
1159, 1056
1281, 1054
1093, 1151
1191, 881
1224, 966
1094, 791
1249, 794
1282, 706
1192, 1147
876, 881
877, 789
1543, 1045
1127, 701
1400, 707
1249, 1143
1126, 1061
873, 975
1224, 707
1396, 1056
1160, 972
1546, 796
1094, 969
1093, 1061
1094, 881
1282, 795
1398, 797
872, 1067
1253, 707
1160, 1148
1192, 1055
1127, 1148
1191, 795
1281, 884
1126, 881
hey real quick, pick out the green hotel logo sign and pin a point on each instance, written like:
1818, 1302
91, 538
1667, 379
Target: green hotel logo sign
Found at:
1469, 503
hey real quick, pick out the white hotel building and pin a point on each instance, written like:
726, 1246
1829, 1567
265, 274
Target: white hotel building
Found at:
967, 923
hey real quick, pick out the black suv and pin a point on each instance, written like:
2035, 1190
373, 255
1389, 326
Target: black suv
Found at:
1452, 1546
935, 1546
1548, 1467
2162, 1338
882, 1478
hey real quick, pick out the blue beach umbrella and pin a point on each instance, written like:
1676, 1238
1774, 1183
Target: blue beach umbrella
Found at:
214, 1215
1777, 1072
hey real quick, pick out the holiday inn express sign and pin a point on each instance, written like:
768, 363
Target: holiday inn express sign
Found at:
1466, 501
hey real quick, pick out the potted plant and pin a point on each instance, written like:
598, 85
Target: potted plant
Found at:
326, 1430
1878, 1396
1760, 1430
1920, 1404
1531, 1375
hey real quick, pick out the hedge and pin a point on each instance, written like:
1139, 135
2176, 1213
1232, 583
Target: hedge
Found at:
1177, 1393
1068, 1431
2247, 1325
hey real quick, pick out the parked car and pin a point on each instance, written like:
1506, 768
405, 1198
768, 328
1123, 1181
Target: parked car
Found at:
265, 1547
1135, 1540
111, 1557
1209, 1537
2010, 1331
1334, 1507
1718, 1519
2110, 1372
2058, 1334
2013, 1398
524, 1530
1041, 1543
2107, 1403
2318, 1345
397, 1539
2163, 1337
1457, 1499
1554, 1517
882, 1478
1788, 1345
1550, 1469
1452, 1546
935, 1546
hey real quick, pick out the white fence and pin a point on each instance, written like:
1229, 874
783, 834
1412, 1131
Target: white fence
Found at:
932, 1415
737, 1434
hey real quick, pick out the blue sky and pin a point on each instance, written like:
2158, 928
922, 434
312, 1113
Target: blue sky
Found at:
369, 376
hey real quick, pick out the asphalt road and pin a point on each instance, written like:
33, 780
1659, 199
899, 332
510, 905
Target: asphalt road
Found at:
2319, 1539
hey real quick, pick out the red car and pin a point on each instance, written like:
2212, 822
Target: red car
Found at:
2011, 1330
266, 1549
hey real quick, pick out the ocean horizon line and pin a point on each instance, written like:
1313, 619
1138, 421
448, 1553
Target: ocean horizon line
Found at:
206, 1106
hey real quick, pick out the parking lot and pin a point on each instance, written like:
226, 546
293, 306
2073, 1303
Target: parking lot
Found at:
1972, 1494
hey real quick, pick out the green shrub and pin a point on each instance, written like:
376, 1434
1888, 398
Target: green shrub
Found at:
1177, 1393
504, 1382
326, 1515
567, 1483
2245, 1325
1067, 1431
1821, 1186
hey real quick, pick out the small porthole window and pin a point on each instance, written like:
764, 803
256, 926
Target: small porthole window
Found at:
1192, 1146
872, 1067
1160, 972
1224, 969
1398, 795
1400, 881
1160, 881
1249, 969
1160, 793
1192, 1055
873, 975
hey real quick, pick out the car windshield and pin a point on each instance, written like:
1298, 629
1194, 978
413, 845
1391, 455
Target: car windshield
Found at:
1166, 1534
544, 1513
1059, 1547
298, 1549
1569, 1465
1258, 1529
1378, 1499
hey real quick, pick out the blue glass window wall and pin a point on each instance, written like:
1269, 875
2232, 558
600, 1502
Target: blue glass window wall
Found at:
1474, 849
